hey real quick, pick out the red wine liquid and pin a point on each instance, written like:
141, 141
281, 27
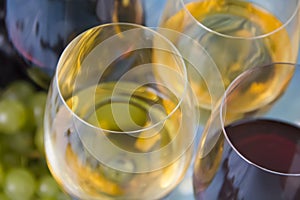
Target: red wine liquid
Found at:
270, 154
270, 144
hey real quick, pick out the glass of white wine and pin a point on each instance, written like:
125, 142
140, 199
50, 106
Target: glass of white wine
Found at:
120, 119
253, 154
237, 34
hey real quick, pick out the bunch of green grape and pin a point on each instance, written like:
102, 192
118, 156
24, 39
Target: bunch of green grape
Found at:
24, 174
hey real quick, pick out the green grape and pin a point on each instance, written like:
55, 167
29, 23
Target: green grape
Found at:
3, 144
12, 116
38, 166
1, 176
30, 124
48, 198
3, 197
22, 159
21, 142
37, 104
20, 184
39, 139
48, 187
60, 196
18, 90
63, 196
11, 159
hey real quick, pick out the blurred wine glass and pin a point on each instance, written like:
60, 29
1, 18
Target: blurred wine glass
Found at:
237, 34
246, 154
116, 127
40, 29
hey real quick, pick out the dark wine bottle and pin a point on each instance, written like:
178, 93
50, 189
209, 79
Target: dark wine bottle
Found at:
40, 30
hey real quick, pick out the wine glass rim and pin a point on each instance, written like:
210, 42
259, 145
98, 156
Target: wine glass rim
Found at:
174, 50
230, 88
297, 9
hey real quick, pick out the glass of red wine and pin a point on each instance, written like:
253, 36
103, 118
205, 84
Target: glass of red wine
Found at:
250, 147
40, 30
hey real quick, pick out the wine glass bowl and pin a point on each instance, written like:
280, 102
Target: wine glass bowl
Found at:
237, 35
252, 155
116, 127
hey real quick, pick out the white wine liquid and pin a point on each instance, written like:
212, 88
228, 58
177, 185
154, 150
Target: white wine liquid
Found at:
237, 35
77, 167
